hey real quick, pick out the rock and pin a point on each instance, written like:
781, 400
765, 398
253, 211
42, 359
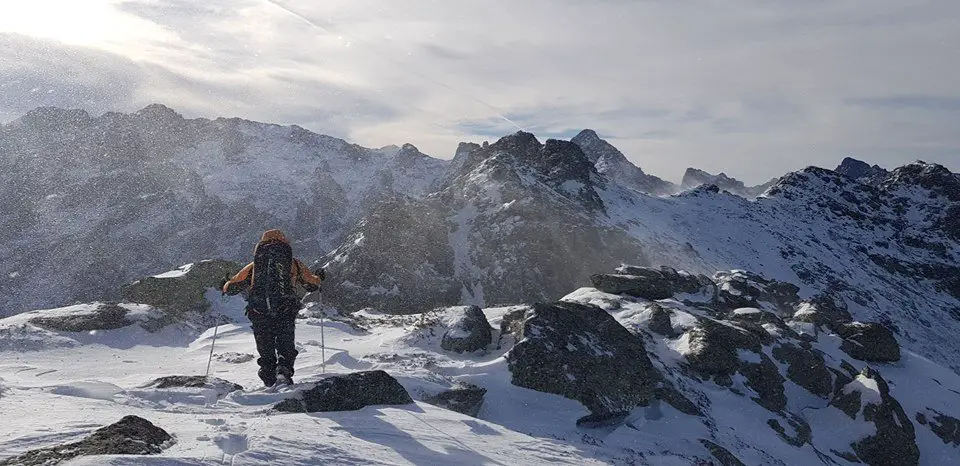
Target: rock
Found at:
660, 321
895, 439
740, 289
464, 399
806, 368
823, 310
647, 282
802, 432
721, 454
100, 316
597, 420
582, 353
195, 381
944, 426
105, 317
131, 435
678, 400
870, 342
467, 329
181, 291
347, 393
512, 323
715, 351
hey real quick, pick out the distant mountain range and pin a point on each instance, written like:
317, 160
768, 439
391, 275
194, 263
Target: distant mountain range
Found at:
92, 202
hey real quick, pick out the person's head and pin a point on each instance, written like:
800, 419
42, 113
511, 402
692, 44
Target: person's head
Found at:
273, 235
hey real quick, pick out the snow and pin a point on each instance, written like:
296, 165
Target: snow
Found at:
179, 272
868, 388
746, 311
749, 356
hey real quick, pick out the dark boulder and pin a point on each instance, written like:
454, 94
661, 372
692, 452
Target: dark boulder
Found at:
464, 399
870, 342
107, 316
738, 289
806, 368
131, 435
944, 426
649, 283
823, 310
582, 353
721, 454
718, 349
347, 393
660, 321
467, 329
181, 291
895, 439
195, 381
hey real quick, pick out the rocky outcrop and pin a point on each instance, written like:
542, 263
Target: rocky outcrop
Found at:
181, 291
720, 349
650, 283
131, 435
347, 393
895, 438
740, 289
194, 381
464, 399
582, 353
99, 316
943, 426
806, 368
467, 329
869, 342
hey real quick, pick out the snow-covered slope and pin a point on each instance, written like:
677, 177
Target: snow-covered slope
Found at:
756, 398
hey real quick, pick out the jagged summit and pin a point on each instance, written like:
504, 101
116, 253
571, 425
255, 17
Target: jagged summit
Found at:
611, 163
861, 171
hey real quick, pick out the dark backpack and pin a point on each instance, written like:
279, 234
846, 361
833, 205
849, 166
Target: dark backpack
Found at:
271, 290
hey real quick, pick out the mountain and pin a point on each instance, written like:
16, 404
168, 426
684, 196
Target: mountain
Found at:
861, 171
647, 366
95, 202
90, 202
611, 163
694, 177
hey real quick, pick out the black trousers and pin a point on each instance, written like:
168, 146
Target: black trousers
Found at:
275, 343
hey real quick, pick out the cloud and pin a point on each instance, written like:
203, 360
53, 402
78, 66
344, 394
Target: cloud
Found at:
918, 102
754, 90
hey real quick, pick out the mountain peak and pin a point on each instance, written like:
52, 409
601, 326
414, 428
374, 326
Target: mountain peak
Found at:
861, 171
521, 143
587, 136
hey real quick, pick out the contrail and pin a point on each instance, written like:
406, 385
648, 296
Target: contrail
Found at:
396, 62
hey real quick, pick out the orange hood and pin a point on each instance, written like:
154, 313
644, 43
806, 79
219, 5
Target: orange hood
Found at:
273, 235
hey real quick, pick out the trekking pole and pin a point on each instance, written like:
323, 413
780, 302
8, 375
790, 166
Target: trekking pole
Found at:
323, 345
214, 342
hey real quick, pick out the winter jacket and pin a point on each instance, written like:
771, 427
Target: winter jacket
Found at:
299, 273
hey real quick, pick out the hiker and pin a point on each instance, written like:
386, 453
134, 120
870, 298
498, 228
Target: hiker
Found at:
272, 304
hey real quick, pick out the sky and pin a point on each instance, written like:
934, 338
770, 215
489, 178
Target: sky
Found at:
752, 88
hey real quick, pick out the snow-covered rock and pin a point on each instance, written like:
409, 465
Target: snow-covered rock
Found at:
131, 435
467, 329
347, 393
183, 290
580, 352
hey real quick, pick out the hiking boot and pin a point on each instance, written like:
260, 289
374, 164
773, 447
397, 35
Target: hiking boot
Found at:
285, 375
269, 378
